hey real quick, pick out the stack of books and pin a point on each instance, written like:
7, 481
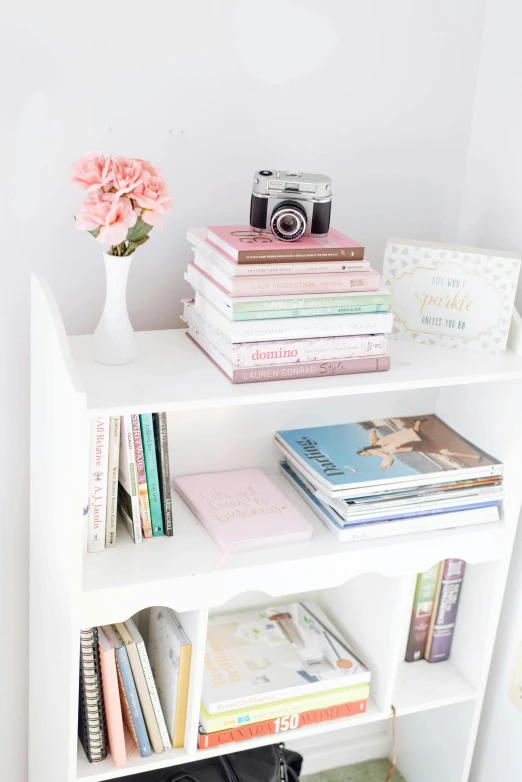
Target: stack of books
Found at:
391, 476
273, 670
133, 697
270, 310
434, 612
128, 476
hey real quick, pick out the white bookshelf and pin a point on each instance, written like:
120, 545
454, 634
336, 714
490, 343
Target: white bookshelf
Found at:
365, 588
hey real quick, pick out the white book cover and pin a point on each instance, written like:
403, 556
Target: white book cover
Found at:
198, 238
169, 653
387, 529
112, 481
274, 653
151, 684
290, 328
128, 490
450, 295
98, 465
252, 354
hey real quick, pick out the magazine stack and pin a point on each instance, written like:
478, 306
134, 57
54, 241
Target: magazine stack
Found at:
391, 476
276, 669
264, 309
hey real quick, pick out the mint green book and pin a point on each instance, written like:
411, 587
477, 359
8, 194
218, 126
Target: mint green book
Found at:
302, 302
151, 470
308, 313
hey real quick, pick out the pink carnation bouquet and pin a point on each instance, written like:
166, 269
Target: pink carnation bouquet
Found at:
125, 200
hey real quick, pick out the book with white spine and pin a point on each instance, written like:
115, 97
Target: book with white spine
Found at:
203, 249
151, 684
128, 497
98, 465
288, 328
112, 481
252, 354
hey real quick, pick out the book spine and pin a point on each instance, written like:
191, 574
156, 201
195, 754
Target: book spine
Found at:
128, 482
280, 724
306, 283
133, 701
442, 626
180, 717
295, 254
153, 692
143, 493
99, 460
112, 484
311, 369
151, 471
421, 613
312, 302
317, 312
231, 269
271, 711
159, 421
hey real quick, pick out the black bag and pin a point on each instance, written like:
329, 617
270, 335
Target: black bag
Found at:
265, 764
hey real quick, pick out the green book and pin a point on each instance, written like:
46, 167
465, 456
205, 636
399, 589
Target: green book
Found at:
421, 613
301, 302
151, 470
309, 313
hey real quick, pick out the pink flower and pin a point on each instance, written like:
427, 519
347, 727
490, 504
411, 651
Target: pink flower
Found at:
149, 168
92, 171
108, 212
126, 174
151, 195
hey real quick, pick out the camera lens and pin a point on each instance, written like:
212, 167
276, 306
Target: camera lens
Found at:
288, 221
265, 173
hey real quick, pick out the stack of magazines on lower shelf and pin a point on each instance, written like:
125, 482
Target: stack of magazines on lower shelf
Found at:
391, 476
266, 309
276, 669
133, 696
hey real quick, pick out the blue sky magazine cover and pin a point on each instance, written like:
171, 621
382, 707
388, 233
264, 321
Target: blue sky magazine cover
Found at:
384, 450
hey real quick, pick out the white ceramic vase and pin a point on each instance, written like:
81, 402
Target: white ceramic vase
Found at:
114, 341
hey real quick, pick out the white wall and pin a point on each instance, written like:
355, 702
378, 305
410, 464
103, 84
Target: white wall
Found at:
377, 94
491, 216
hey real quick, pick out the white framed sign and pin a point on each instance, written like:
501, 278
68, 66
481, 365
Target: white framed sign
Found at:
452, 296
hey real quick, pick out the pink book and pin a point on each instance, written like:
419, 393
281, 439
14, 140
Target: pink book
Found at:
296, 284
244, 245
243, 510
299, 371
111, 700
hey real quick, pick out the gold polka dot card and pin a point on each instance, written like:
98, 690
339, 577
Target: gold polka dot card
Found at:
451, 296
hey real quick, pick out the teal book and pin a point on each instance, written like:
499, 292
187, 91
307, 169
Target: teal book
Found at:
151, 470
307, 313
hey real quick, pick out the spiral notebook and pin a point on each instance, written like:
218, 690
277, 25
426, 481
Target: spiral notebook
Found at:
92, 728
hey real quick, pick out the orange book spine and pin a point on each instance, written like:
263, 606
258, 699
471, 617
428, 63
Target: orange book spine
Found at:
280, 725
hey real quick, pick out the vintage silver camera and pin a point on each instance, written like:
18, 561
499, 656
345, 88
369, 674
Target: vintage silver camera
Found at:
291, 204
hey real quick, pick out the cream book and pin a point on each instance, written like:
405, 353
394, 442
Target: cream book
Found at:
170, 653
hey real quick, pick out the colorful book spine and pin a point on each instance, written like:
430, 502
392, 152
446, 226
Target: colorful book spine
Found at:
212, 259
161, 440
281, 724
421, 613
311, 302
151, 470
342, 282
111, 699
112, 483
211, 723
318, 312
133, 702
99, 461
444, 616
292, 371
288, 351
143, 493
128, 496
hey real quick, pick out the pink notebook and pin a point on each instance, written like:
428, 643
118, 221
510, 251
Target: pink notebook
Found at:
243, 510
111, 700
244, 245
